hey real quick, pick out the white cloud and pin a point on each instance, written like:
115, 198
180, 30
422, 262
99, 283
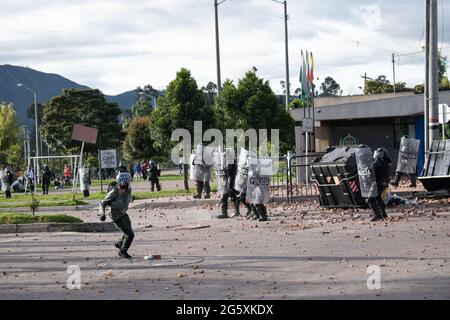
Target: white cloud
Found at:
117, 46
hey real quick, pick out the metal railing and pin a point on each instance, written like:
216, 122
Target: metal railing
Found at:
299, 177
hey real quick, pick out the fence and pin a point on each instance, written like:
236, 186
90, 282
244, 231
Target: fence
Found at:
293, 178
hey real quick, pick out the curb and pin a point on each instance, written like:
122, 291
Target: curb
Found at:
58, 227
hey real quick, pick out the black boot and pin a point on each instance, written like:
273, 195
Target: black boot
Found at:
237, 212
255, 214
223, 208
207, 190
374, 206
262, 213
125, 255
199, 185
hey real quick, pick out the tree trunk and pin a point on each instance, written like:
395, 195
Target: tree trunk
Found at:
186, 178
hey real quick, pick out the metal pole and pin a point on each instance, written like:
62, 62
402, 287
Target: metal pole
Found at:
307, 162
393, 69
219, 81
426, 113
443, 123
286, 17
36, 122
433, 74
100, 170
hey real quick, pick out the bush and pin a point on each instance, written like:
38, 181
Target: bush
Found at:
18, 218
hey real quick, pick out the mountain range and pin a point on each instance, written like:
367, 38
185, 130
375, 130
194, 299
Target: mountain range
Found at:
47, 86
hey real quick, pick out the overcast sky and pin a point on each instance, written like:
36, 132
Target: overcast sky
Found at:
118, 45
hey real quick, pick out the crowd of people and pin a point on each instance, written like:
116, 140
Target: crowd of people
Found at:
24, 181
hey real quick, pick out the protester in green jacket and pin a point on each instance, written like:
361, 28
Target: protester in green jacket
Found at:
118, 199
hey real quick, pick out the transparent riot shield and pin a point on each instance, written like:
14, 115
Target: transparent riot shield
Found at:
408, 154
222, 176
366, 172
240, 184
258, 182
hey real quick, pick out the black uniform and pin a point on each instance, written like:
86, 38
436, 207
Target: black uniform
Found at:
381, 163
154, 180
230, 173
46, 177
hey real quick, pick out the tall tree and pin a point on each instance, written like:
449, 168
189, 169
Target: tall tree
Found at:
141, 108
144, 101
31, 112
9, 131
382, 85
253, 105
86, 107
210, 91
182, 104
138, 144
330, 88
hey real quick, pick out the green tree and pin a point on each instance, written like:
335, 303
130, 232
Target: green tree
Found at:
144, 102
14, 156
182, 104
138, 142
141, 108
382, 85
253, 105
9, 131
444, 83
210, 91
30, 111
330, 88
86, 107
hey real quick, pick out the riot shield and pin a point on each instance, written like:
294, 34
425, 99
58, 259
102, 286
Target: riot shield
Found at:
84, 178
198, 154
366, 172
258, 182
4, 184
408, 154
196, 172
222, 176
240, 184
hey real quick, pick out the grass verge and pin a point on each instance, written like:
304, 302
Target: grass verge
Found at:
18, 218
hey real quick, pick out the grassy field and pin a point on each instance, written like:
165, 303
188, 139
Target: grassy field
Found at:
167, 177
20, 200
17, 218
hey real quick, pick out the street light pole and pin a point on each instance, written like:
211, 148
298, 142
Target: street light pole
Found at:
36, 121
216, 12
286, 18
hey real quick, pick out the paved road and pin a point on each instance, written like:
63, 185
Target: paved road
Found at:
304, 252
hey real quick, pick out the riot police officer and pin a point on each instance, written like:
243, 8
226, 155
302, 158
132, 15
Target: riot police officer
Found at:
226, 170
258, 186
373, 174
201, 166
381, 164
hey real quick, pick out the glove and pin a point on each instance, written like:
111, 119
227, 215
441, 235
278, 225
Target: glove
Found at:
102, 218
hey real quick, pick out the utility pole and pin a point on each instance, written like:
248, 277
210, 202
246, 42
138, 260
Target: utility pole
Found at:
286, 40
286, 17
216, 11
426, 113
393, 68
433, 75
